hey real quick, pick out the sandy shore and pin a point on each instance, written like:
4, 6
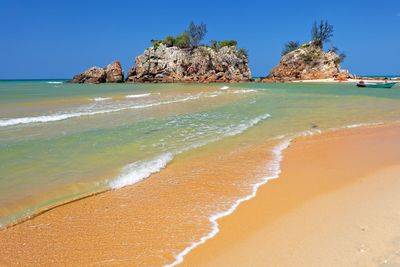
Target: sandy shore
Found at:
337, 203
332, 80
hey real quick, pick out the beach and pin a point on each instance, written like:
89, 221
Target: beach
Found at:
152, 175
336, 203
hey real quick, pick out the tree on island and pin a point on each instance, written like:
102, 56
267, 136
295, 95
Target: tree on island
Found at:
321, 33
192, 37
196, 33
290, 46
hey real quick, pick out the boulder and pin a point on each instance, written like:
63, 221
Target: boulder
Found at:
114, 72
200, 65
92, 75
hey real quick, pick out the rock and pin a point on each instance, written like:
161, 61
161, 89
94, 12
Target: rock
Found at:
92, 75
114, 72
201, 64
308, 62
343, 75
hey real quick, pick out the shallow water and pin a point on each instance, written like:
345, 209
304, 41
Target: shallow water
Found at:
63, 141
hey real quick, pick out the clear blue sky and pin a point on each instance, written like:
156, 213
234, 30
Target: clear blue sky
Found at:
57, 39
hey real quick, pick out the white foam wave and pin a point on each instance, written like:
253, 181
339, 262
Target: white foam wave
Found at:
140, 170
97, 99
54, 82
244, 126
357, 125
59, 117
224, 88
273, 167
245, 91
137, 96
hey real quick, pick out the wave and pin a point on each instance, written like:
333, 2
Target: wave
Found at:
137, 96
357, 125
245, 91
224, 88
55, 82
101, 98
140, 170
59, 117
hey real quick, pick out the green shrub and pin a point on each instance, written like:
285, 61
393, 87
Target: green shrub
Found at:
289, 47
310, 56
216, 45
243, 52
169, 41
156, 43
182, 41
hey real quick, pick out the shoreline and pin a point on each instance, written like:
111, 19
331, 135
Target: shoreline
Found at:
249, 236
47, 217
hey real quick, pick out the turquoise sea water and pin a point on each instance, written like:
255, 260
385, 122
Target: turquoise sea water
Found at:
60, 141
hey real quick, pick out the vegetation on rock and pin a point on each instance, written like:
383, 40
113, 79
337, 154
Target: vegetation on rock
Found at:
321, 32
290, 46
192, 37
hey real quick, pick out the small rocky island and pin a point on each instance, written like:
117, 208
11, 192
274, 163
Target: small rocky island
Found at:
309, 61
201, 64
179, 59
112, 73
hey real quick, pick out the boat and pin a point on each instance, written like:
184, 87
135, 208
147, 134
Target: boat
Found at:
375, 85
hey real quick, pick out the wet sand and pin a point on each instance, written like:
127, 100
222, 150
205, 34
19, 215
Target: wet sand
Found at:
336, 203
140, 225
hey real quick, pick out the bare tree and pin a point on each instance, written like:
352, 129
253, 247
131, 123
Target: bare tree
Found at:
321, 33
196, 33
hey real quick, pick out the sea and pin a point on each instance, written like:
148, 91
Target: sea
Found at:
60, 142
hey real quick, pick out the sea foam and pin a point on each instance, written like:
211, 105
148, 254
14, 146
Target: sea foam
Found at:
245, 91
137, 96
64, 116
140, 170
97, 99
54, 82
274, 170
273, 167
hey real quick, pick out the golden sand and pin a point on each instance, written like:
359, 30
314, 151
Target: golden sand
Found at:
145, 224
140, 225
336, 203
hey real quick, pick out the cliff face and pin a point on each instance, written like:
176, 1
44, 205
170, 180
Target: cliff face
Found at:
201, 64
306, 63
112, 73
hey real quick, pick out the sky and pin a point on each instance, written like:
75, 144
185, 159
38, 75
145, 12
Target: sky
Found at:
58, 39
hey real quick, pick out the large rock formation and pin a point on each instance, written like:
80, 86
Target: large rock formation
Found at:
111, 73
92, 75
306, 63
201, 64
114, 73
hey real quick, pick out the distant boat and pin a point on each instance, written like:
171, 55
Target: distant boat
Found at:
375, 85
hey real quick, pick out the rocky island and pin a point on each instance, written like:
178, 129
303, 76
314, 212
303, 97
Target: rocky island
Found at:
200, 64
179, 59
309, 61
